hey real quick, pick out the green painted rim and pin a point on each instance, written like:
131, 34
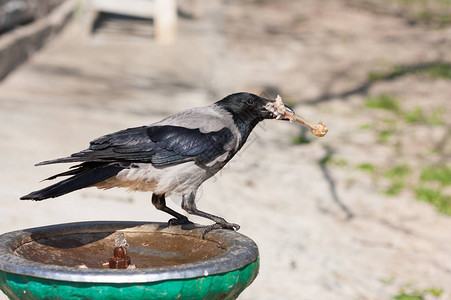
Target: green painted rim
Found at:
220, 286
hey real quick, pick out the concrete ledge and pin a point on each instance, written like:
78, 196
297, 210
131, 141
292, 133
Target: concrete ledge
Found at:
20, 43
16, 12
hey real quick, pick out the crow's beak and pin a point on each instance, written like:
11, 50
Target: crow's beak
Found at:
289, 109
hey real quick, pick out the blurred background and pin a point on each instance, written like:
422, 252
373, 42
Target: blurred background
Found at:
362, 213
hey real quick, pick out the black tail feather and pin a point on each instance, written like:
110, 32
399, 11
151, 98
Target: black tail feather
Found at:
84, 178
67, 173
69, 159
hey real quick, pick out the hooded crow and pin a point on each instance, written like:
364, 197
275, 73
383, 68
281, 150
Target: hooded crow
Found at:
173, 156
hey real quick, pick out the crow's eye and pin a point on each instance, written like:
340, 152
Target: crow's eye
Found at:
250, 101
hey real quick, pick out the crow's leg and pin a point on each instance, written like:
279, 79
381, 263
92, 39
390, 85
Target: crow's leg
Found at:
189, 204
160, 203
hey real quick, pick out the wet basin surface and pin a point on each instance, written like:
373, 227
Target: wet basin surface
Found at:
146, 249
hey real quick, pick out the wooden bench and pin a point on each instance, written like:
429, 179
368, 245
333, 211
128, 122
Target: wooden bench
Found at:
163, 12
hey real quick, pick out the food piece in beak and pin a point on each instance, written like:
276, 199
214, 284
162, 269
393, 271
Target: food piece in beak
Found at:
278, 109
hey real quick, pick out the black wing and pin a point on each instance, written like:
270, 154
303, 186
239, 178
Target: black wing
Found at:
159, 145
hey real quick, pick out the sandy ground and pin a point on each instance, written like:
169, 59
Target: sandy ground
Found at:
324, 232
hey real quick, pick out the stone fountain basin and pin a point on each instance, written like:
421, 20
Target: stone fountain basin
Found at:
66, 261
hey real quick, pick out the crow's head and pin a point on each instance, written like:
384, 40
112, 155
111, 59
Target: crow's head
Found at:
248, 106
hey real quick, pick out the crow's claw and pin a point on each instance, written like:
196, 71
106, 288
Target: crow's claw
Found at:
222, 225
180, 221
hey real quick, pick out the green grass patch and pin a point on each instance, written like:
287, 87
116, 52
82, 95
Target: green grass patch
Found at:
440, 70
300, 139
388, 280
332, 161
430, 17
415, 116
444, 20
385, 135
426, 16
326, 159
396, 175
435, 197
437, 69
400, 175
339, 162
366, 126
434, 13
397, 172
434, 292
436, 118
414, 294
383, 101
404, 296
418, 116
395, 188
390, 122
396, 71
367, 167
441, 174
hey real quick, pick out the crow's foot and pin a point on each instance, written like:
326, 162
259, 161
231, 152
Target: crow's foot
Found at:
179, 221
222, 225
